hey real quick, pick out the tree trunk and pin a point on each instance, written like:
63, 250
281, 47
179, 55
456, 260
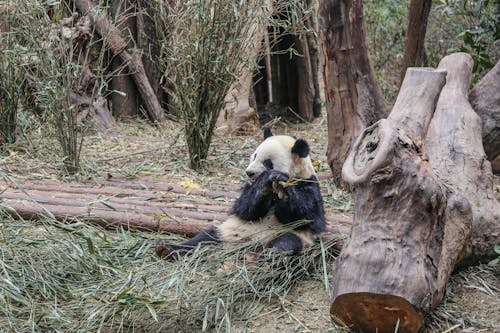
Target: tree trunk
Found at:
312, 42
456, 153
148, 41
408, 230
414, 52
353, 97
132, 59
485, 99
124, 98
305, 85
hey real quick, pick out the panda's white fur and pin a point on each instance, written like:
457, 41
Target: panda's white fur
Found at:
236, 230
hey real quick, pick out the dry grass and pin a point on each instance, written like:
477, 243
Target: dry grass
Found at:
79, 278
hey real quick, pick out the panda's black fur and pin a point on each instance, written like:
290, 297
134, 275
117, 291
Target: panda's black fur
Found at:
265, 201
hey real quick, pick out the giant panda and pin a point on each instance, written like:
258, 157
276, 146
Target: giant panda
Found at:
282, 189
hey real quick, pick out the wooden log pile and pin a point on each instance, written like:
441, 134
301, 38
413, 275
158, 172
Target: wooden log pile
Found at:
145, 204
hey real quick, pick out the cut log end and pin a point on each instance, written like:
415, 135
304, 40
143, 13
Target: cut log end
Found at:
380, 313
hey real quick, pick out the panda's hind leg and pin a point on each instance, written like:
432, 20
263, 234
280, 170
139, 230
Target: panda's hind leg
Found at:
288, 242
175, 252
286, 246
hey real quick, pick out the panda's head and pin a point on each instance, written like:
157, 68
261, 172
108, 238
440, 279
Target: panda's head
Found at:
283, 153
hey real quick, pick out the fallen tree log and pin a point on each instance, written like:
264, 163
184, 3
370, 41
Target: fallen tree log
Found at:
115, 206
485, 99
455, 148
120, 188
129, 220
172, 188
177, 209
408, 228
132, 58
159, 201
107, 219
122, 206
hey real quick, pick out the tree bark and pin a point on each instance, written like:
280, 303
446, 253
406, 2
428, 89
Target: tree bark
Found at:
408, 230
118, 46
414, 51
124, 99
305, 76
148, 41
485, 99
456, 153
312, 42
353, 97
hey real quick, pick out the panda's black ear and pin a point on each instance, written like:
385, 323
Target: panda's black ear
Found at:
267, 132
301, 148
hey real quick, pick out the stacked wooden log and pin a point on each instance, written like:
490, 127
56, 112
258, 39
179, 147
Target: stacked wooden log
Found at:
145, 204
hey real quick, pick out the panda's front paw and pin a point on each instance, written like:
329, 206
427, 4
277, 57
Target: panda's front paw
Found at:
277, 180
275, 176
268, 181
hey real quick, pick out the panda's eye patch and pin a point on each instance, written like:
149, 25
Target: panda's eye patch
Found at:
268, 164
